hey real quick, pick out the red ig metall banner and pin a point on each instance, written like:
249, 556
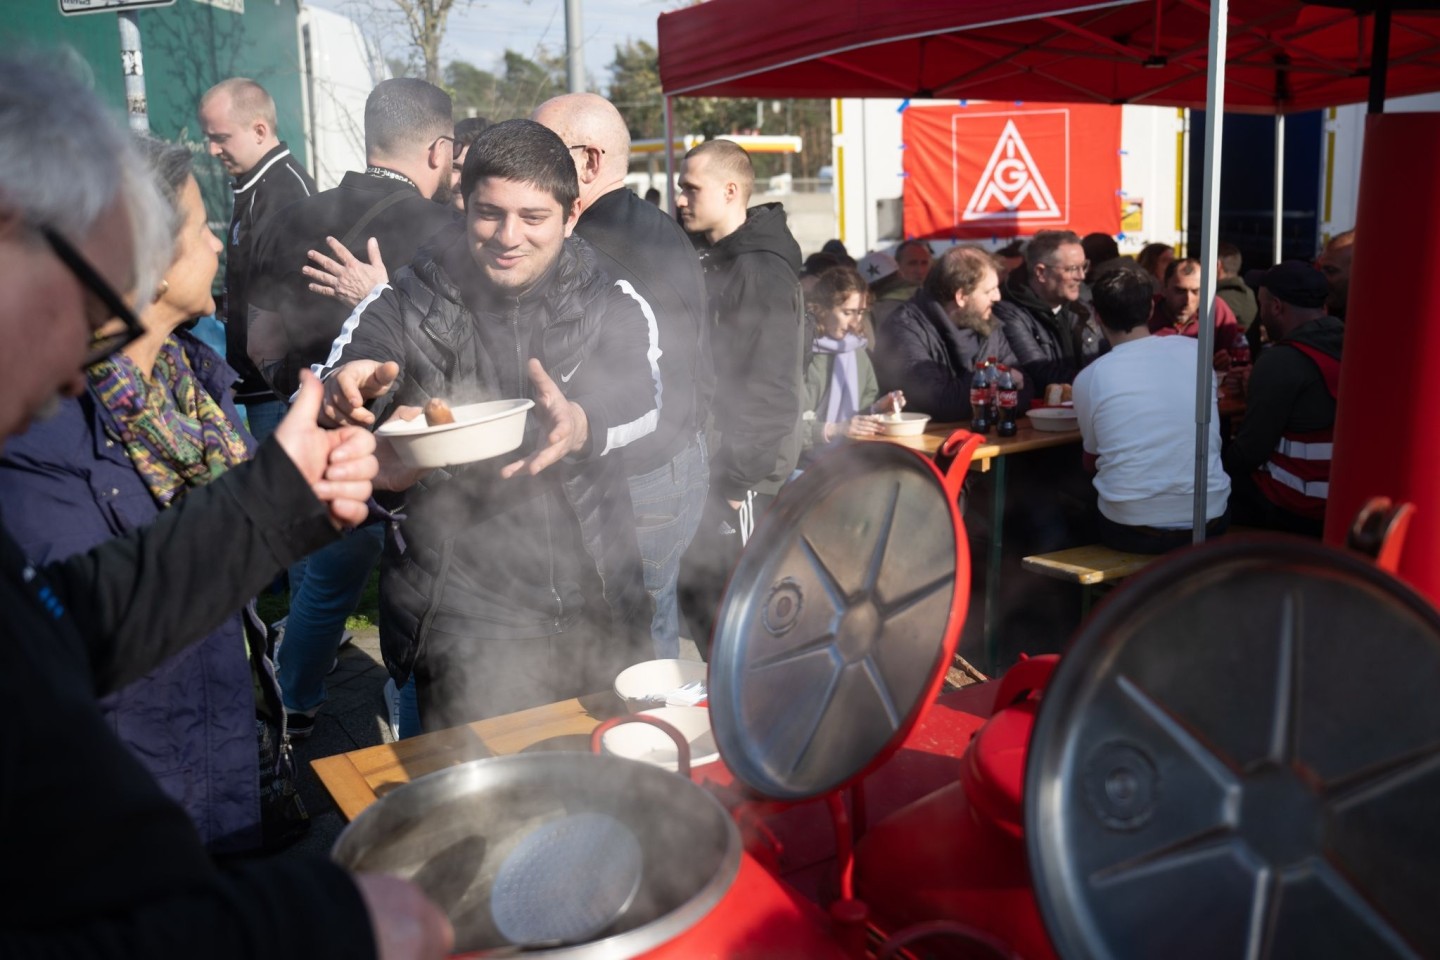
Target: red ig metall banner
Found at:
982, 171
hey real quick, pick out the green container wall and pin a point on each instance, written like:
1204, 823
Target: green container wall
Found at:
187, 48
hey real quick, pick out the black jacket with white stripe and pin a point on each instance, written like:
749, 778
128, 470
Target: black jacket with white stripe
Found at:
271, 185
637, 243
506, 559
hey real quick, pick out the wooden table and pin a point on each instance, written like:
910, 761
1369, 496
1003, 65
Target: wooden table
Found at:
995, 450
355, 779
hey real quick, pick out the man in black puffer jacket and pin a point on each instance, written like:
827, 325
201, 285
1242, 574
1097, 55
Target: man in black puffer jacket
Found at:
510, 584
1052, 333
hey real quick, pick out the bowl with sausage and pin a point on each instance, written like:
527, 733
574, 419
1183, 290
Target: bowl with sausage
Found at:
445, 437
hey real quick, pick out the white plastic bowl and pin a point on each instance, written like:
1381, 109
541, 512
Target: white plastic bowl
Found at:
641, 741
908, 424
647, 684
480, 431
1053, 419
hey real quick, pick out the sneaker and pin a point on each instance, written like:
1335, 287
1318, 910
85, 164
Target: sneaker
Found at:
335, 665
299, 725
392, 707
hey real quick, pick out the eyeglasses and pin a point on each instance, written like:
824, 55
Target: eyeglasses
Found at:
586, 146
1076, 270
103, 344
456, 147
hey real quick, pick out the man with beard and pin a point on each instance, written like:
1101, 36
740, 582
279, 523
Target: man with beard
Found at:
509, 583
1177, 311
929, 346
1279, 460
1136, 411
409, 151
1052, 334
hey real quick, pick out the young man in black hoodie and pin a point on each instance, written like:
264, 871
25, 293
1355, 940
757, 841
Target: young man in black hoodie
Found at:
646, 254
752, 266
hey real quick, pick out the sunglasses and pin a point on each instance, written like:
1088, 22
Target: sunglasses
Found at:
106, 340
456, 147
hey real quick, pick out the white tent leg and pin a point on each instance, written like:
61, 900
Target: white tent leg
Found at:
669, 157
1279, 182
1209, 244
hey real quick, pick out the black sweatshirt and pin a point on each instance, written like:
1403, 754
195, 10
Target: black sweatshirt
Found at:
752, 277
638, 245
98, 861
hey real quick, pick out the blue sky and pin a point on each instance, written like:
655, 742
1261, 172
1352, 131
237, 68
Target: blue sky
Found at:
481, 31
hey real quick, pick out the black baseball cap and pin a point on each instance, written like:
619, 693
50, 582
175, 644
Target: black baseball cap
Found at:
1296, 283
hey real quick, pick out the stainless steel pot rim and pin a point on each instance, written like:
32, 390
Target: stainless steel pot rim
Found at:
629, 943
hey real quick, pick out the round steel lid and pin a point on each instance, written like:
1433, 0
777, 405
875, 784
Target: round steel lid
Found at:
1240, 757
839, 621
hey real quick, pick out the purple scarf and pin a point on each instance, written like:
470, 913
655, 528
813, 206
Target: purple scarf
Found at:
844, 391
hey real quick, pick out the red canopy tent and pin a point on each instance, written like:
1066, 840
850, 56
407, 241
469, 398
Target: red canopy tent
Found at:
1284, 56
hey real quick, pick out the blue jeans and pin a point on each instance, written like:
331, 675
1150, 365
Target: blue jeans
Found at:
324, 588
668, 503
409, 710
264, 417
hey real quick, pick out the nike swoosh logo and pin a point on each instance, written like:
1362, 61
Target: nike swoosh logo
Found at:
565, 377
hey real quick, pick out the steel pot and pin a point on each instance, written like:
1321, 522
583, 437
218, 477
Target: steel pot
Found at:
453, 832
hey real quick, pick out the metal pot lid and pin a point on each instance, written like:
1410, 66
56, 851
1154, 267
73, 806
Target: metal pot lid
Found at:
840, 619
1240, 757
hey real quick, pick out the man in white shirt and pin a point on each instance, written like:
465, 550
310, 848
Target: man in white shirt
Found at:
1136, 407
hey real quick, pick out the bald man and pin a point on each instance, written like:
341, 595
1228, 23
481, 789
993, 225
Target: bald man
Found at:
238, 119
650, 258
1334, 262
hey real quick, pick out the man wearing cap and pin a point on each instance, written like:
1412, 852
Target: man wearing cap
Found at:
1279, 462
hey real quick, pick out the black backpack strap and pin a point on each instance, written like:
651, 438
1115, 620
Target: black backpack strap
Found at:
380, 206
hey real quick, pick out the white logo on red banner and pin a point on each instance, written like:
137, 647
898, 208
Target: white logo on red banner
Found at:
1011, 186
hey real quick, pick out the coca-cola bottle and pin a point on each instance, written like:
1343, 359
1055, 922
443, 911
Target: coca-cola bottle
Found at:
1007, 398
1240, 350
980, 421
994, 364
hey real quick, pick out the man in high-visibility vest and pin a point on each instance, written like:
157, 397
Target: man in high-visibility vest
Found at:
1279, 461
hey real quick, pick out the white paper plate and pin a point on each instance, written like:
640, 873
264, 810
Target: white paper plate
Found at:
480, 431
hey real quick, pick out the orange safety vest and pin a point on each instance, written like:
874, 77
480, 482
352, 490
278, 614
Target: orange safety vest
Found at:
1296, 478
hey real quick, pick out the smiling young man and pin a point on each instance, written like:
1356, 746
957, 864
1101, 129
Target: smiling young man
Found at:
510, 582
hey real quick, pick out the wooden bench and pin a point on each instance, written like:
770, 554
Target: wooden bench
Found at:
1089, 566
1096, 564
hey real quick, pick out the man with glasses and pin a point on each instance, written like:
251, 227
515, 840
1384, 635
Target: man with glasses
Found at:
1052, 334
238, 119
384, 214
99, 861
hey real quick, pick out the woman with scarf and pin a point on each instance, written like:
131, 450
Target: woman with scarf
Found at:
840, 384
159, 420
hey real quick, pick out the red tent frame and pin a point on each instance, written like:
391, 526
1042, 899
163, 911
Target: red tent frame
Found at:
1284, 56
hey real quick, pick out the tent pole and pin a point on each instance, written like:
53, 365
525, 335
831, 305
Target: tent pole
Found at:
1379, 58
669, 157
1209, 244
1279, 183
